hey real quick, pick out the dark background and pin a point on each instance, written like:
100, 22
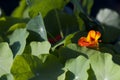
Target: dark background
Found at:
9, 5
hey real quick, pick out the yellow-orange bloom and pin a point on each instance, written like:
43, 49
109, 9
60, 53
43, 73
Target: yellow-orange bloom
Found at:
91, 40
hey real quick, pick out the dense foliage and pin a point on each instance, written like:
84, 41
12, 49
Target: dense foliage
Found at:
39, 41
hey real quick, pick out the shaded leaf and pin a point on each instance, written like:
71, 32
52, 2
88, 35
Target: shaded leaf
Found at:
87, 5
6, 59
117, 47
77, 9
7, 22
68, 23
29, 67
87, 52
50, 69
44, 6
104, 67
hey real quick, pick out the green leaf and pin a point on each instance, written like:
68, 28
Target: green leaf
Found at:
50, 69
87, 5
111, 21
66, 53
6, 59
78, 7
29, 67
78, 67
117, 47
62, 76
73, 51
68, 39
19, 11
104, 67
36, 25
38, 48
17, 40
7, 77
61, 22
17, 26
7, 22
23, 65
44, 6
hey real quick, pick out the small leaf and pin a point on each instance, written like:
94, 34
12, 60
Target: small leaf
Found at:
68, 39
38, 48
6, 59
18, 12
7, 22
36, 25
17, 40
16, 26
104, 67
78, 67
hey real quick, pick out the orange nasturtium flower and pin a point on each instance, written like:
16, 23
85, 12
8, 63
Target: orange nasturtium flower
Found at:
91, 40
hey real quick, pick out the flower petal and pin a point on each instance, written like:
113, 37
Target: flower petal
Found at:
82, 42
98, 35
91, 40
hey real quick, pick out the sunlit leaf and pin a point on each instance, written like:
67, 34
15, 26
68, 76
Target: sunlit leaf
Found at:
78, 67
16, 26
18, 12
17, 40
111, 21
68, 39
104, 67
6, 59
36, 25
38, 48
62, 76
22, 67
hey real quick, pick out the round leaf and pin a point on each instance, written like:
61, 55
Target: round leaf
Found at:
104, 67
78, 67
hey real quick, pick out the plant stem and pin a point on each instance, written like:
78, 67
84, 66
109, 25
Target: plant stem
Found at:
59, 24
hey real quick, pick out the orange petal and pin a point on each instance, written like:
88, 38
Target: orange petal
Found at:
98, 35
82, 42
91, 35
91, 40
